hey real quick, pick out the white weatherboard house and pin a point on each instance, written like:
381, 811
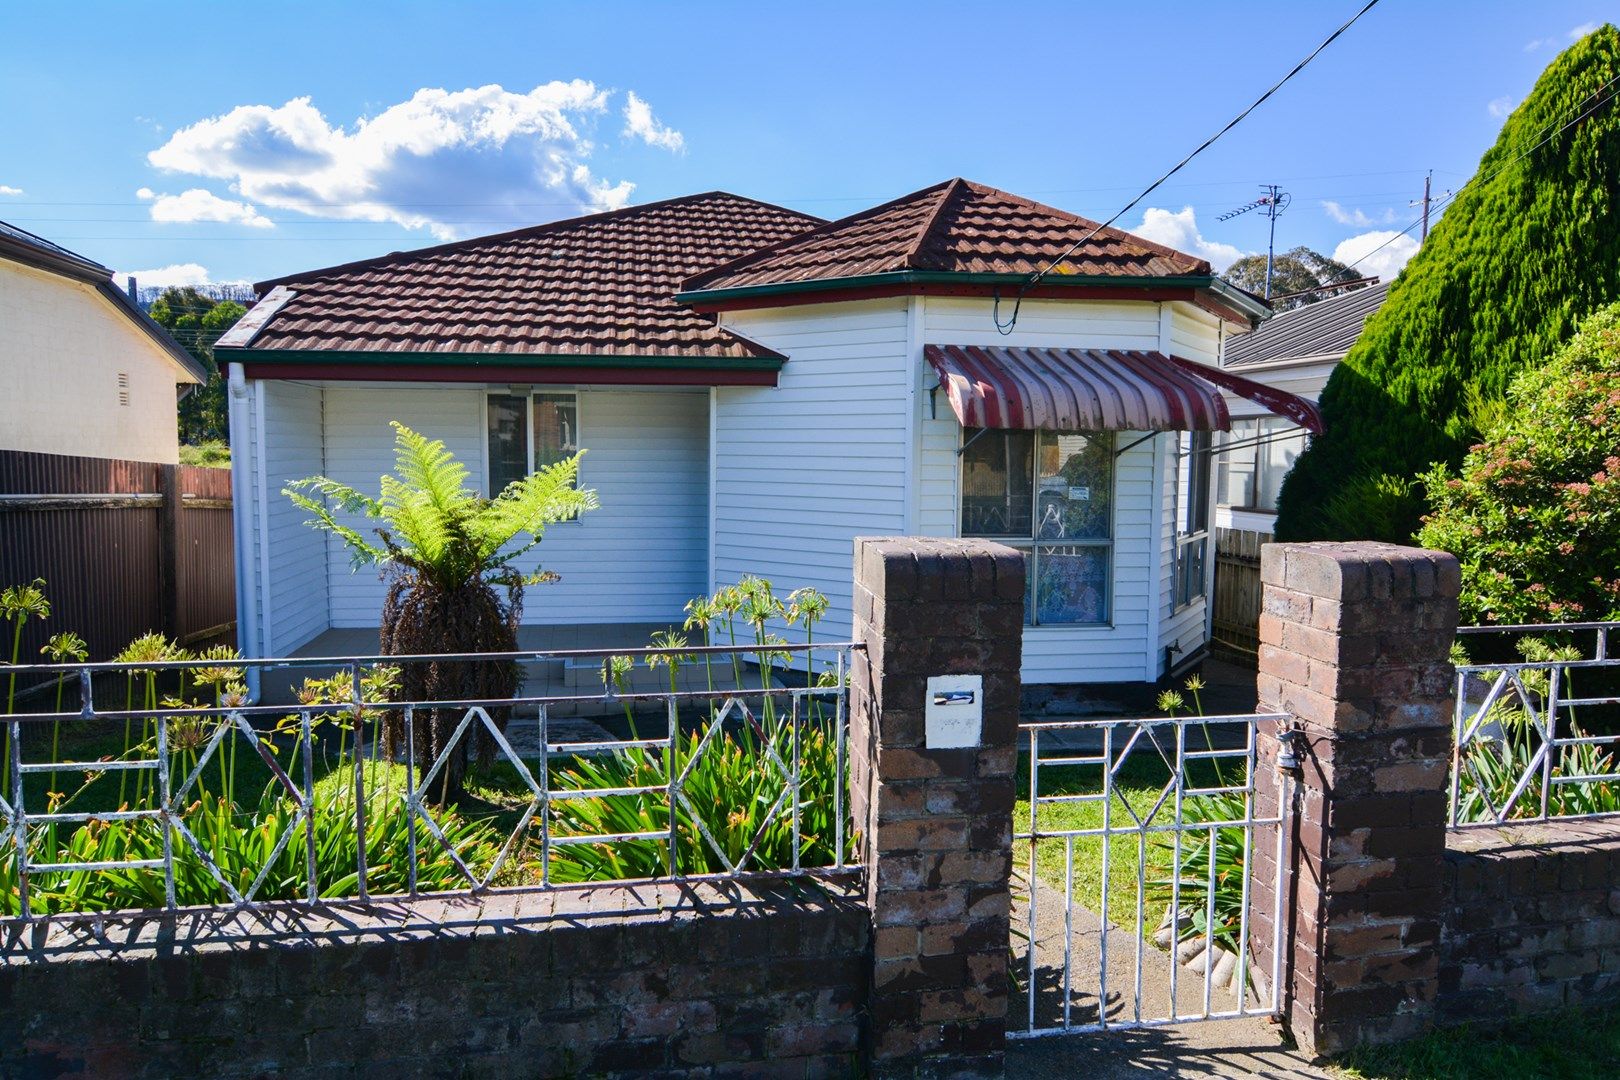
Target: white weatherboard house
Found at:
1296, 351
755, 387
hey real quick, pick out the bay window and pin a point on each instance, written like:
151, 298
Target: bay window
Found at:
1262, 451
1050, 495
527, 432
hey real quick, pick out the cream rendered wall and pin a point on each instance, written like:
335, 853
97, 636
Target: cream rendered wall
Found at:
62, 347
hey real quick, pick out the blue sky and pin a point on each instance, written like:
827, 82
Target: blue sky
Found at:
240, 143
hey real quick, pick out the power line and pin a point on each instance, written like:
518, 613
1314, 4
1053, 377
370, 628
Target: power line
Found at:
1447, 199
1035, 278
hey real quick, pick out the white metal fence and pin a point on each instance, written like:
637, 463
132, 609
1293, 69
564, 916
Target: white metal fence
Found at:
1536, 738
1136, 893
154, 785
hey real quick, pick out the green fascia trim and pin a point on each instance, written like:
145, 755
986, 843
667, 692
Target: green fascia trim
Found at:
423, 359
940, 277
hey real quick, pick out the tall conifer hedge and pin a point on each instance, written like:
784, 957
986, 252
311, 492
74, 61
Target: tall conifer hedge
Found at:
1526, 249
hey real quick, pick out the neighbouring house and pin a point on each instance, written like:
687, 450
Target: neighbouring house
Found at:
83, 370
1295, 351
755, 387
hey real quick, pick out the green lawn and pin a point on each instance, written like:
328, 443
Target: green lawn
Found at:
1137, 787
1561, 1046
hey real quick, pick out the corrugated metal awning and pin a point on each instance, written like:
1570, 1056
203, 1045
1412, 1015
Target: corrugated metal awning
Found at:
1097, 390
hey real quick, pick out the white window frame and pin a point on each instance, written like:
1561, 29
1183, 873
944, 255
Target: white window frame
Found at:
1030, 545
1188, 539
1252, 444
528, 428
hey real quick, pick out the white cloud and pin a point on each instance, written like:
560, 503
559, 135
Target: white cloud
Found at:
162, 277
1179, 229
196, 204
1499, 108
7, 189
640, 123
1575, 34
1385, 251
1355, 216
439, 159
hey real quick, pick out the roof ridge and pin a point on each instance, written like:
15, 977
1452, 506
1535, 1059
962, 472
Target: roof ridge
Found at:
913, 256
525, 231
697, 280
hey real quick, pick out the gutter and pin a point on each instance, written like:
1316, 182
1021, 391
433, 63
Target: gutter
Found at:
357, 357
1237, 298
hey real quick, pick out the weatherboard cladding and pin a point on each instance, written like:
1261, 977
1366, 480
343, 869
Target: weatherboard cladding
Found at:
597, 286
954, 227
1326, 328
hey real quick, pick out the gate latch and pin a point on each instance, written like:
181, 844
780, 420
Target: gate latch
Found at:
1289, 750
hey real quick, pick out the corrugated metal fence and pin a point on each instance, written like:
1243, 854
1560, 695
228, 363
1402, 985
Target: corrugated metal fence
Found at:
125, 547
1236, 617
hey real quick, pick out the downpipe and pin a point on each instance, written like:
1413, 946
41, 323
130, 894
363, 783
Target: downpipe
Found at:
242, 492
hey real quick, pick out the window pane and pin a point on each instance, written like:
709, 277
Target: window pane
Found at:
1071, 583
1192, 503
556, 428
1075, 487
1190, 563
997, 473
1234, 475
1276, 458
508, 441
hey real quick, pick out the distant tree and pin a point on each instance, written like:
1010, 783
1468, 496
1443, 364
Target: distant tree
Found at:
1525, 250
1534, 514
197, 321
1293, 271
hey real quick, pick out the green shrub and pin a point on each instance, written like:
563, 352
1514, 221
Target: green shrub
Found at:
240, 841
1526, 249
1534, 514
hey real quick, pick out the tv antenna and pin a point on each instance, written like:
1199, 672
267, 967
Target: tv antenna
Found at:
1273, 203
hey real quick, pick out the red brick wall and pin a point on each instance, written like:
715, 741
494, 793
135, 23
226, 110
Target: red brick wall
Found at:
617, 981
1533, 919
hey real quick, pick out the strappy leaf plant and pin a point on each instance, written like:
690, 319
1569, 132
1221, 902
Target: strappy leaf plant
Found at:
445, 549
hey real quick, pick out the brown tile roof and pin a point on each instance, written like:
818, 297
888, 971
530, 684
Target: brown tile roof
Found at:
598, 286
954, 227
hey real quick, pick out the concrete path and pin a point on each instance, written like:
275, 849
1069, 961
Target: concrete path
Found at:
1251, 1046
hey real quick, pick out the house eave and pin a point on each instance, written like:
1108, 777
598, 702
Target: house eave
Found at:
551, 368
1228, 302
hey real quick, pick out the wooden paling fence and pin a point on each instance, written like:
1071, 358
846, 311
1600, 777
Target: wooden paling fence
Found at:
124, 547
1237, 594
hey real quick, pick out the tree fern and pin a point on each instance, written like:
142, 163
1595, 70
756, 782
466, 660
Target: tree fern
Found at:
433, 523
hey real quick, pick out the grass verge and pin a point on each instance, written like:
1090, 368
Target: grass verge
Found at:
1572, 1045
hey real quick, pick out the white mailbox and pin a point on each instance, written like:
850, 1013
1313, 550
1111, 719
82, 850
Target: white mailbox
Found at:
953, 715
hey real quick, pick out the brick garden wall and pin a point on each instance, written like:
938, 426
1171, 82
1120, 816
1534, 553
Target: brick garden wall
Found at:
618, 981
1533, 919
1395, 923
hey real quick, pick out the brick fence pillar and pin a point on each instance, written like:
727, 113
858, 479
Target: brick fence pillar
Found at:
1354, 644
935, 823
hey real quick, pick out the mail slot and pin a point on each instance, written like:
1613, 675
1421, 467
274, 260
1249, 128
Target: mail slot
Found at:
953, 712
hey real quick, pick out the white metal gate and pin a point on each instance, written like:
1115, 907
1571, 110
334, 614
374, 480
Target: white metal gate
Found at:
1135, 905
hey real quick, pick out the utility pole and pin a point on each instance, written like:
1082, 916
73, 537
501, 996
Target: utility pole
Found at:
1426, 181
1273, 202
